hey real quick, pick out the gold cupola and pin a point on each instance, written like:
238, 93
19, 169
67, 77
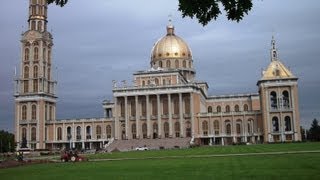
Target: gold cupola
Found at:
172, 52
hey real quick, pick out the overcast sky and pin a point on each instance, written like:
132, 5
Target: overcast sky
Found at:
103, 40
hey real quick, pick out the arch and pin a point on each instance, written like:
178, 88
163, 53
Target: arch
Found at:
238, 127
205, 128
35, 71
287, 123
227, 108
160, 64
157, 81
33, 112
275, 124
69, 133
24, 112
285, 99
176, 63
59, 133
216, 127
188, 129
184, 64
26, 72
108, 131
155, 130
88, 132
134, 130
24, 133
210, 109
78, 133
98, 131
177, 129
228, 127
166, 129
236, 108
35, 53
33, 134
168, 64
245, 107
26, 54
144, 130
218, 108
273, 100
35, 85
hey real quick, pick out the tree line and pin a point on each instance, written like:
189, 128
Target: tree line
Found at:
7, 143
312, 134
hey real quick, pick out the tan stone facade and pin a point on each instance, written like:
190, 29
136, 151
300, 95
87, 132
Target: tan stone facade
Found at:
165, 102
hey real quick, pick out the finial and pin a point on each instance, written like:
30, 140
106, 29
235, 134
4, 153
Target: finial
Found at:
274, 53
170, 20
170, 28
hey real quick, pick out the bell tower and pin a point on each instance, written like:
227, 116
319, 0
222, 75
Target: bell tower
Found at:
35, 100
278, 89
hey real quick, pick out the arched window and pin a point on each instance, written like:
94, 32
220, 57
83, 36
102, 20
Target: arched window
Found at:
25, 86
108, 131
228, 129
184, 63
175, 106
143, 83
133, 108
177, 129
188, 129
34, 112
218, 108
176, 64
78, 133
98, 131
49, 77
24, 133
166, 129
168, 64
236, 108
50, 113
39, 22
157, 81
134, 131
36, 53
88, 132
33, 23
122, 109
59, 133
210, 109
144, 130
250, 124
143, 108
187, 105
227, 108
238, 127
245, 107
24, 112
69, 133
205, 128
287, 122
160, 64
33, 134
273, 100
165, 106
26, 54
275, 124
26, 72
154, 107
216, 127
35, 85
155, 130
44, 54
35, 71
285, 99
190, 64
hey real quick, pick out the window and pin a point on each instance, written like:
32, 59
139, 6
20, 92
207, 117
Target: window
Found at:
59, 134
143, 83
175, 106
134, 131
33, 23
168, 64
108, 131
35, 71
49, 56
177, 129
122, 109
35, 85
133, 108
154, 107
39, 22
287, 122
33, 134
245, 107
228, 129
187, 105
165, 106
26, 54
205, 128
238, 128
210, 109
24, 112
88, 132
98, 132
218, 108
44, 54
188, 129
176, 64
216, 127
36, 53
285, 99
143, 108
160, 64
155, 130
144, 130
166, 129
236, 108
273, 100
275, 124
24, 133
25, 86
157, 81
34, 112
69, 133
49, 77
227, 108
50, 113
26, 72
184, 63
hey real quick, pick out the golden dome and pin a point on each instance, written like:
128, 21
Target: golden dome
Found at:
170, 46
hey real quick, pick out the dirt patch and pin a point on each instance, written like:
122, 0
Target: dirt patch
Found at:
14, 163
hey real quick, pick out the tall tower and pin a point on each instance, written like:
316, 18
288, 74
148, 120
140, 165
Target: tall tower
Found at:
278, 89
35, 100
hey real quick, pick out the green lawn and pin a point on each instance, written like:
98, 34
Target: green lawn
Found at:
284, 166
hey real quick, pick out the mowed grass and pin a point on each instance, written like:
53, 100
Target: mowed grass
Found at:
281, 166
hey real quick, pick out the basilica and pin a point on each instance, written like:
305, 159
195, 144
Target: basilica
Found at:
166, 107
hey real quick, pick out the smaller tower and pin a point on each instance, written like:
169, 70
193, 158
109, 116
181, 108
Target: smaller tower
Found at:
278, 89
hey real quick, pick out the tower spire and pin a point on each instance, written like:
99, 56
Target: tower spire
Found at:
274, 53
170, 27
38, 15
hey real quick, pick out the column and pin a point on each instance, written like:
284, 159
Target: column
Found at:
126, 116
170, 115
191, 114
116, 119
181, 115
148, 117
293, 119
137, 118
159, 116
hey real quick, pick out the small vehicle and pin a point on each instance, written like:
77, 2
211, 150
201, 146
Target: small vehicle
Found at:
142, 149
72, 156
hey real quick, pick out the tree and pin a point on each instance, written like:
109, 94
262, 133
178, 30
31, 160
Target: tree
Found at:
314, 131
204, 10
6, 141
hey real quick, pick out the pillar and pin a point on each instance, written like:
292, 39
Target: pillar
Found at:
116, 119
148, 117
159, 116
181, 115
170, 115
126, 116
137, 117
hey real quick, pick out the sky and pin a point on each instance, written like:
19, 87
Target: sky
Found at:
105, 40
